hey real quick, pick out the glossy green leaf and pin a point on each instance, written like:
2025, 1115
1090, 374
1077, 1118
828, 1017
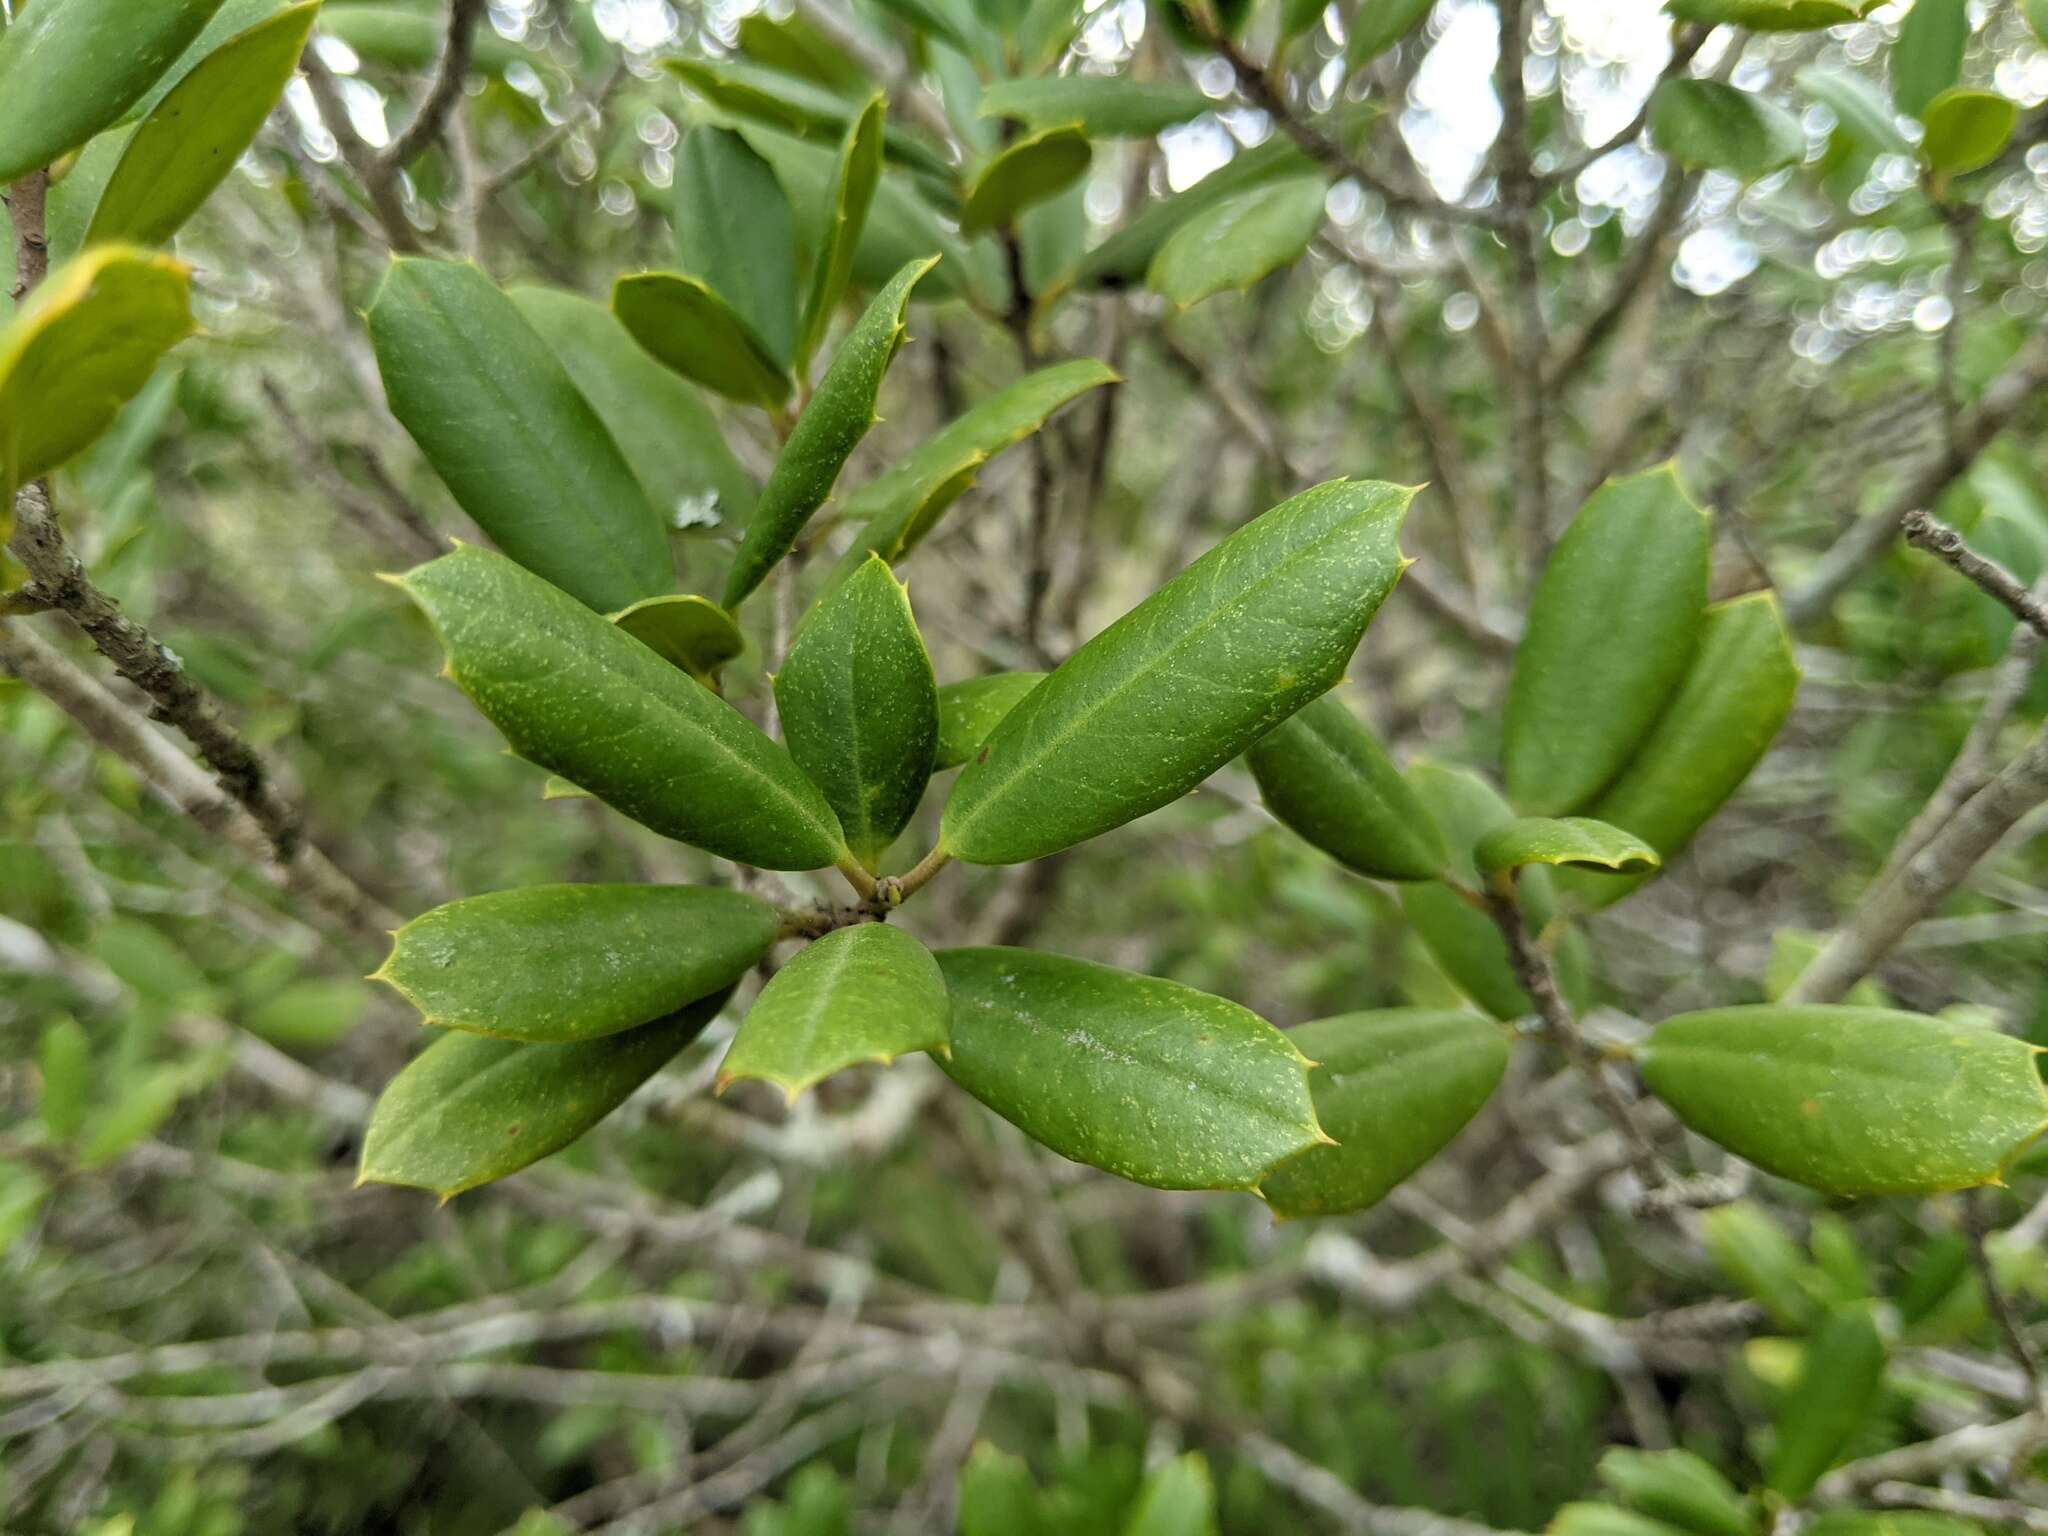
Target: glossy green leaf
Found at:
1770, 15
1678, 1487
1706, 125
617, 720
970, 711
1379, 24
1611, 629
190, 141
1178, 1499
1024, 172
401, 36
64, 1062
1735, 696
734, 233
1393, 1088
661, 424
1576, 841
78, 349
69, 68
1927, 58
692, 632
903, 503
1233, 244
1966, 130
680, 321
508, 432
860, 709
1102, 106
1860, 109
1851, 1101
469, 1109
1146, 1079
853, 194
1837, 1390
1460, 937
866, 993
1253, 630
836, 419
556, 963
1123, 258
1324, 775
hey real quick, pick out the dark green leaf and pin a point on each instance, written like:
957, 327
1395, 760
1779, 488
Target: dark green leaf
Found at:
1026, 171
78, 349
617, 720
836, 419
1679, 1487
797, 106
971, 710
1575, 841
1378, 25
1102, 106
470, 1109
860, 708
1238, 241
1326, 776
69, 68
1207, 665
691, 329
1142, 1078
192, 138
1836, 1392
1123, 258
1928, 57
903, 503
556, 963
1851, 1101
734, 232
505, 427
795, 45
1393, 1088
661, 424
1966, 130
1611, 629
692, 632
395, 35
853, 194
866, 993
1708, 126
1736, 694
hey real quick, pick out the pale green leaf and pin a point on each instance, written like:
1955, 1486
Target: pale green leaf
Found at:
1024, 172
1102, 106
1233, 244
1574, 841
1837, 1391
692, 632
1851, 1101
1679, 1487
1706, 125
1966, 130
1927, 58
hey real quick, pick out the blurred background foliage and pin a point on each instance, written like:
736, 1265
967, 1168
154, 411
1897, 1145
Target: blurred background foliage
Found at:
838, 1318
